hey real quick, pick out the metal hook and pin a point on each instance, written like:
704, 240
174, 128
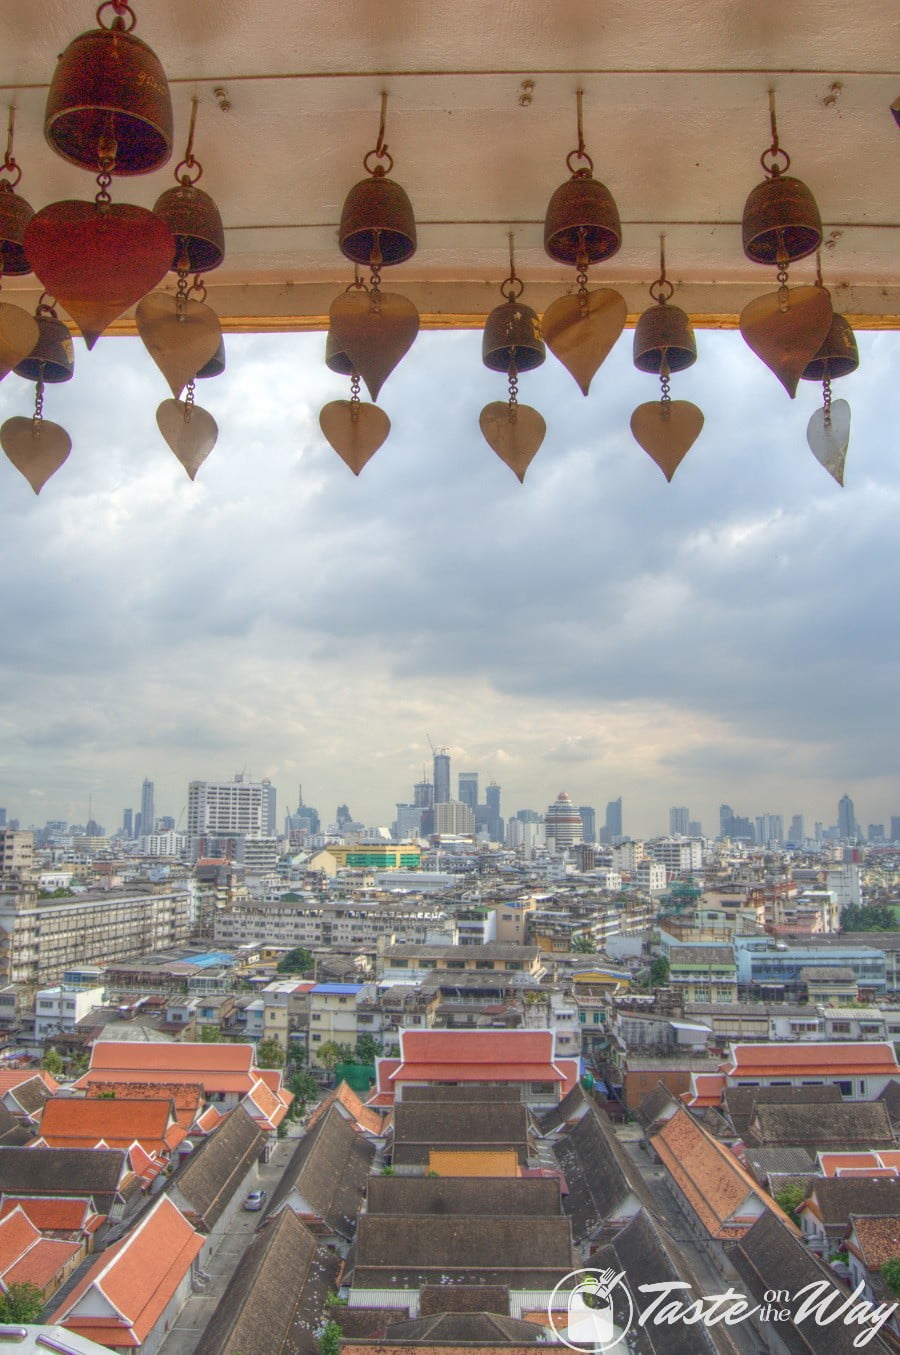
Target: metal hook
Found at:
819, 282
774, 121
189, 152
579, 97
380, 147
10, 128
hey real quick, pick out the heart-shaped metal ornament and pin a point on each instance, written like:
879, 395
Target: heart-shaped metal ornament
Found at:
583, 339
517, 440
374, 340
18, 335
97, 261
36, 447
787, 341
191, 439
667, 432
829, 441
355, 430
180, 339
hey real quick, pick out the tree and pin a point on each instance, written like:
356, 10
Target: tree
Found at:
270, 1053
53, 1063
329, 1055
868, 918
890, 1273
367, 1049
659, 972
790, 1200
210, 1035
305, 1089
297, 961
21, 1303
330, 1340
583, 945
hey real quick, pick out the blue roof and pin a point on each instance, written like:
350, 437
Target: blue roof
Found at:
351, 989
212, 958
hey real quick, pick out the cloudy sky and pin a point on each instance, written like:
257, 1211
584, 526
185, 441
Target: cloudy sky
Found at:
732, 636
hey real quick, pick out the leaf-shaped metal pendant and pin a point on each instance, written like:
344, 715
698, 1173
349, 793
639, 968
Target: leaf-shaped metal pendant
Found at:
18, 335
787, 340
374, 339
181, 339
191, 439
355, 430
828, 441
583, 339
36, 447
98, 261
515, 440
667, 431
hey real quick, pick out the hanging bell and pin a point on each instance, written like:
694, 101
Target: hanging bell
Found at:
512, 338
336, 359
194, 220
664, 332
109, 85
216, 364
53, 357
582, 222
377, 218
781, 221
838, 356
15, 214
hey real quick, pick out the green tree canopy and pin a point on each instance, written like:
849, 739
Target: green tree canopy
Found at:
329, 1055
367, 1049
297, 961
790, 1200
868, 918
890, 1273
659, 972
270, 1052
21, 1303
53, 1062
583, 945
305, 1089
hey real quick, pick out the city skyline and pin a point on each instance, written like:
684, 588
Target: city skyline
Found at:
730, 637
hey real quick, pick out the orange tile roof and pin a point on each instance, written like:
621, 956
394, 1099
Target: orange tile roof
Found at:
264, 1106
76, 1122
10, 1078
50, 1213
706, 1090
830, 1059
17, 1234
138, 1276
474, 1163
187, 1097
710, 1177
217, 1067
877, 1238
476, 1047
834, 1164
209, 1120
42, 1263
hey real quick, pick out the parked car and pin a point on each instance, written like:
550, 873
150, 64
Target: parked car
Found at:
255, 1200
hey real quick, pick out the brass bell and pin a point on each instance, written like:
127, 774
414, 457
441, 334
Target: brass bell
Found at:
216, 364
53, 357
781, 221
15, 214
582, 222
194, 220
664, 332
838, 356
512, 338
336, 359
377, 219
109, 86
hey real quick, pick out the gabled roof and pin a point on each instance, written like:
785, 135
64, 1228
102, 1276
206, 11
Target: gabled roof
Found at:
770, 1257
739, 1103
74, 1122
498, 1196
206, 1183
875, 1239
844, 1124
420, 1126
721, 1192
187, 1097
883, 1163
266, 1107
657, 1106
217, 1067
12, 1131
95, 1173
369, 1121
834, 1199
276, 1299
466, 1329
13, 1078
599, 1174
137, 1276
26, 1257
573, 1105
31, 1092
53, 1214
328, 1173
815, 1059
476, 1056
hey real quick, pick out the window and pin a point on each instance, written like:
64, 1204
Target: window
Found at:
840, 1027
315, 1038
846, 1088
316, 1016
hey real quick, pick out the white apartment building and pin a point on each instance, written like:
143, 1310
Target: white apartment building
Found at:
627, 855
289, 923
16, 854
332, 1016
60, 1008
677, 854
454, 819
650, 876
238, 808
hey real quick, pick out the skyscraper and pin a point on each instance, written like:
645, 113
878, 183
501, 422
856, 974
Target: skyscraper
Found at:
614, 818
679, 821
127, 823
423, 795
238, 808
442, 777
494, 823
796, 833
562, 824
846, 824
588, 823
148, 810
468, 789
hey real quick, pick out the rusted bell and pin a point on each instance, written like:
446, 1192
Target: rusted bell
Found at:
377, 219
109, 85
194, 220
512, 338
216, 364
781, 217
664, 331
336, 359
838, 356
582, 221
53, 357
15, 214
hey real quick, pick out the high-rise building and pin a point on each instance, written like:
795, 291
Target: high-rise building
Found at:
238, 808
588, 823
562, 824
769, 829
796, 831
895, 828
408, 823
679, 821
468, 789
148, 810
494, 821
442, 777
614, 818
128, 823
423, 795
2, 818
695, 828
846, 824
454, 818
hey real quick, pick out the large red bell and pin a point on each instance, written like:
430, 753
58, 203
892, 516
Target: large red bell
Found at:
109, 86
194, 220
15, 214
